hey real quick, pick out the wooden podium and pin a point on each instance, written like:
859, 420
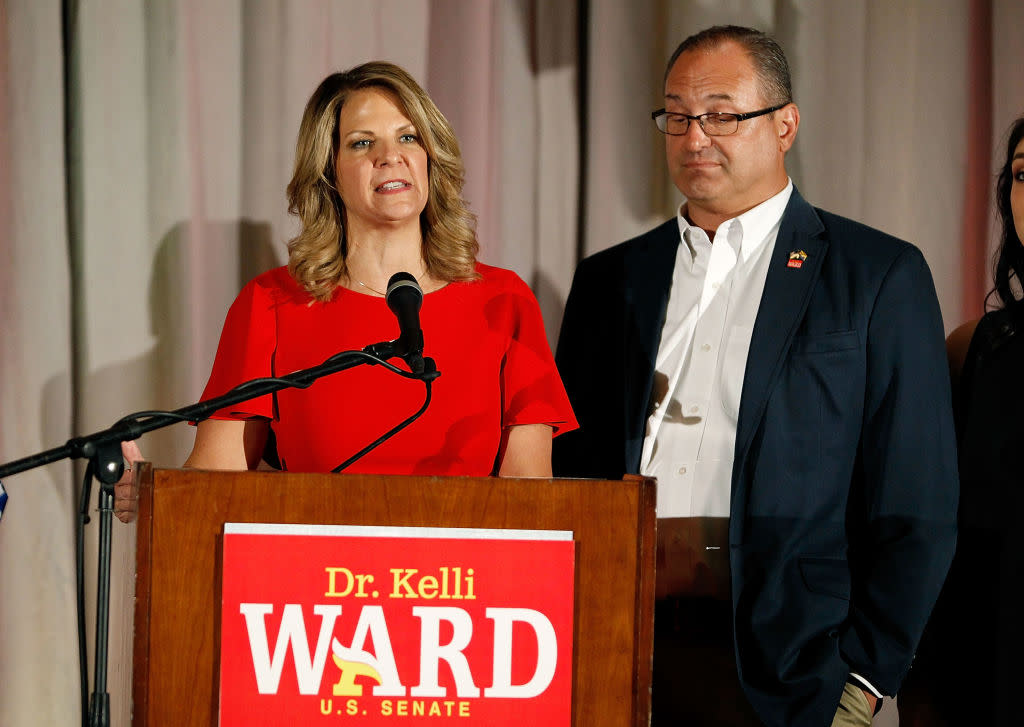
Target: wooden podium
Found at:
180, 530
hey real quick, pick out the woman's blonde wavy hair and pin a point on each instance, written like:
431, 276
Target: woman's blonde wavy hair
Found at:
316, 256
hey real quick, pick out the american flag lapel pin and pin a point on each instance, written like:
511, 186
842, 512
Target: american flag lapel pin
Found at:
796, 258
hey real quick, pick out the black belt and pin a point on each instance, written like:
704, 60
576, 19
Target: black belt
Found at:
697, 620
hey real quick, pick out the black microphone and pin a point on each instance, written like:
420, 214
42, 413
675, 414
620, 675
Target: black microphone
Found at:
405, 297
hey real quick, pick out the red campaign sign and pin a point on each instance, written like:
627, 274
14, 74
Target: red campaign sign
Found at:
324, 625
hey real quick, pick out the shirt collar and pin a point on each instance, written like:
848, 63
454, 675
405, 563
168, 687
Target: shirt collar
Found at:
748, 231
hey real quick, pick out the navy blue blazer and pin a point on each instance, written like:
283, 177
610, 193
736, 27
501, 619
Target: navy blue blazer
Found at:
844, 485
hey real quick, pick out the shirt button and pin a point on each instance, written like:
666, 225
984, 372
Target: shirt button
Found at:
706, 347
682, 470
694, 409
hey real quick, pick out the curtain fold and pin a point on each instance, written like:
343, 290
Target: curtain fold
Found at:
39, 657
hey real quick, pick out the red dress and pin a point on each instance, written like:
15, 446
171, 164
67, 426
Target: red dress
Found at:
486, 337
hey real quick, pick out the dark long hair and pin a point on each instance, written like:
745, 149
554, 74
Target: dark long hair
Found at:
1009, 264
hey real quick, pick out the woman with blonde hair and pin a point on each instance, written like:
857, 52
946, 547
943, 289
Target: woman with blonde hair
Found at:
377, 187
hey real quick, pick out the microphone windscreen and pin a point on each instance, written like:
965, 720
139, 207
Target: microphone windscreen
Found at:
403, 286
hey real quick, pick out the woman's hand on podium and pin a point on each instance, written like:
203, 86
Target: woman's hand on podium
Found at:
126, 490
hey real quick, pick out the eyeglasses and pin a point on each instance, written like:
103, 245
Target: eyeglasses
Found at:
713, 123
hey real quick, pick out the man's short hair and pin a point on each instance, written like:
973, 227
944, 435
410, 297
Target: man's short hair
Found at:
765, 53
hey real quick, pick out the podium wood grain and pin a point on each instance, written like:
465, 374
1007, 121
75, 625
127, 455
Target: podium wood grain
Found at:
178, 557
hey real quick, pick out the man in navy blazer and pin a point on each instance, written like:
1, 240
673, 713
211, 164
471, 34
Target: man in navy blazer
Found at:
843, 490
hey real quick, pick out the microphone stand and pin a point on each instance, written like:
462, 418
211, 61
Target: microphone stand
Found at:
103, 451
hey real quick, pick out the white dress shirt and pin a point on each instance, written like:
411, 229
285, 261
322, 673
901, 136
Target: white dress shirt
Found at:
702, 358
698, 378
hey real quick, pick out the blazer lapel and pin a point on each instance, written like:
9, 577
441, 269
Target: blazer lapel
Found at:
787, 292
648, 283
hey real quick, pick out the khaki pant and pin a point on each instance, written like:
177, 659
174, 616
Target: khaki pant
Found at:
854, 710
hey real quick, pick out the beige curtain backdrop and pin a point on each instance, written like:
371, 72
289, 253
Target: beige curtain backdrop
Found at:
122, 244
